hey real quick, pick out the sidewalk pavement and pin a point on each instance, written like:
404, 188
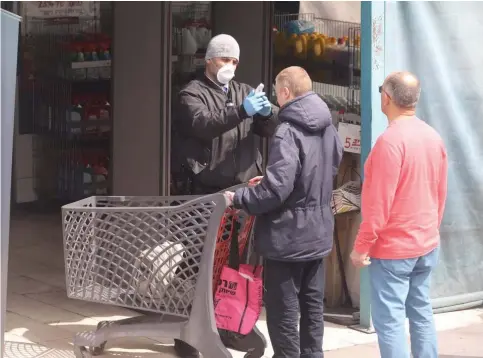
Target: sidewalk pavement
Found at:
465, 342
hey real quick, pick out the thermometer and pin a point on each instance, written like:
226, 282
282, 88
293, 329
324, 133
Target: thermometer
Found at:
259, 88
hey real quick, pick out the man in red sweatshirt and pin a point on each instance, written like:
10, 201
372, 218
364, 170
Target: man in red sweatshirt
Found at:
403, 199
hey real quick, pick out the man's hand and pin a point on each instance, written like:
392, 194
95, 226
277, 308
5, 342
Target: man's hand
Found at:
255, 181
229, 197
266, 109
359, 260
254, 102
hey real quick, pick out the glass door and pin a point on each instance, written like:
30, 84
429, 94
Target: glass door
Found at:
191, 28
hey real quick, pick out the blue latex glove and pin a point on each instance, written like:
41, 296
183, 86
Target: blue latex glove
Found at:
266, 109
253, 103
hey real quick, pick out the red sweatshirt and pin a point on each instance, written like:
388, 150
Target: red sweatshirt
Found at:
404, 192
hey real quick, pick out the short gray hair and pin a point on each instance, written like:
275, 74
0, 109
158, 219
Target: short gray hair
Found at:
296, 79
403, 88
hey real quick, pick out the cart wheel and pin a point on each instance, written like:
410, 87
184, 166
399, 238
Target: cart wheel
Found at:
97, 351
81, 352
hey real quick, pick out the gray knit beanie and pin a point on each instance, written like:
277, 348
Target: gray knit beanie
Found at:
223, 46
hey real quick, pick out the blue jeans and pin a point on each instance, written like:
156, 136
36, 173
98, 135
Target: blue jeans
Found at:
400, 289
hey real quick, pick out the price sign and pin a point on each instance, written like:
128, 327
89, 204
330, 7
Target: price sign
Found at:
50, 9
350, 136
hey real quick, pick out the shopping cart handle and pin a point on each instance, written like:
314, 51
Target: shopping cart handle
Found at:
228, 201
234, 188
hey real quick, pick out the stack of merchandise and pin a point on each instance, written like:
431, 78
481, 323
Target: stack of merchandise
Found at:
346, 198
88, 58
87, 175
94, 110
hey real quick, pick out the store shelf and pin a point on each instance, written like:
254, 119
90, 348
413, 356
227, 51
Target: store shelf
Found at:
96, 185
91, 141
90, 123
100, 81
90, 64
314, 65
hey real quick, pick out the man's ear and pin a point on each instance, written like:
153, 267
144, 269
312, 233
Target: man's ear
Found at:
386, 99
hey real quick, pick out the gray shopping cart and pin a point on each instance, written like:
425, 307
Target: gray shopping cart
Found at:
155, 254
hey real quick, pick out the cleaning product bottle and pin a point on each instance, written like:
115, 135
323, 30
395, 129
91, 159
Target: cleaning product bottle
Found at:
100, 176
87, 53
105, 55
79, 73
104, 52
79, 52
93, 50
87, 178
92, 115
105, 115
74, 116
90, 52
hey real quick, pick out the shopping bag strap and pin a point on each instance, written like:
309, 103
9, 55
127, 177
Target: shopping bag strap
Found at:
234, 257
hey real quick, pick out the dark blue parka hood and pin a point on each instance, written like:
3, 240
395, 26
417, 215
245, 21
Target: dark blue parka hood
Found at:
309, 112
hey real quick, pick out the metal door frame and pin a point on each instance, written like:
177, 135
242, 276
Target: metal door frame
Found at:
165, 101
267, 61
373, 122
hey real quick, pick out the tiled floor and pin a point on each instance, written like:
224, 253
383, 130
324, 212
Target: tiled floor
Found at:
41, 320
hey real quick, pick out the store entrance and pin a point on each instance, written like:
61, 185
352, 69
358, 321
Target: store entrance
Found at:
194, 23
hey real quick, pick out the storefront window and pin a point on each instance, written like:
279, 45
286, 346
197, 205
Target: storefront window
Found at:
65, 97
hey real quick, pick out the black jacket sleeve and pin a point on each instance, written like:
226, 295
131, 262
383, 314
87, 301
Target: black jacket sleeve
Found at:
199, 122
283, 168
265, 126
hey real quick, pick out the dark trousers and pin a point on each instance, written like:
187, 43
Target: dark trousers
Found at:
294, 288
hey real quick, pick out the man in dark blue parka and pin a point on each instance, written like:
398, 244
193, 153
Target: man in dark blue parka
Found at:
294, 225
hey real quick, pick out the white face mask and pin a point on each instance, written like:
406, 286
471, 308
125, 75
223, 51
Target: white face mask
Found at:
226, 73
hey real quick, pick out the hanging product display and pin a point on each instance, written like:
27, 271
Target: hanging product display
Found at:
316, 43
328, 50
346, 198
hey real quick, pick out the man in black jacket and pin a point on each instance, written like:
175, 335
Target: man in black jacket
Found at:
294, 225
217, 127
218, 123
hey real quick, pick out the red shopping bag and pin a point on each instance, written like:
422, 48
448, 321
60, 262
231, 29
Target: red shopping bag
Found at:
239, 295
238, 299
